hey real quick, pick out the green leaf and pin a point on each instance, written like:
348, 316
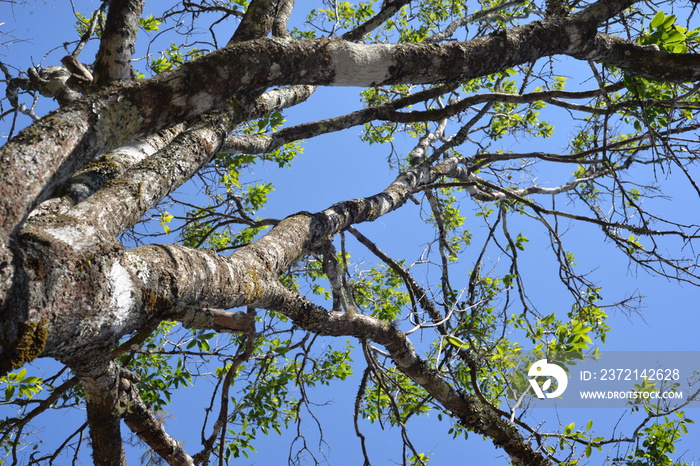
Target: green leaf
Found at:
674, 36
568, 429
454, 341
668, 21
657, 20
166, 218
150, 24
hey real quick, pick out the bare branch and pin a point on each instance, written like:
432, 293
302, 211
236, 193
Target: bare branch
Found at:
465, 407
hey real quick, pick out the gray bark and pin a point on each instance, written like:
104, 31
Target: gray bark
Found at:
68, 289
118, 41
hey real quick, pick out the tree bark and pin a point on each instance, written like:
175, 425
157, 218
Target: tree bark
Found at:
70, 291
121, 114
118, 41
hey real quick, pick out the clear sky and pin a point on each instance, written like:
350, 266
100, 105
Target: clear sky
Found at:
334, 168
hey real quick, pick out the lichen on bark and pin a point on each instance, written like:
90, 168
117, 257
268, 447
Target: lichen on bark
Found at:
118, 121
29, 346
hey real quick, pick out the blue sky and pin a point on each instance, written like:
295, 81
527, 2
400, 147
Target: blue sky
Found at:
334, 168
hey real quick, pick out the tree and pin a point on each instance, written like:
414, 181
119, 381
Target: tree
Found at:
133, 317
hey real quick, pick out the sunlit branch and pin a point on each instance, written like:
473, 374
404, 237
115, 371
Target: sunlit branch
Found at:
245, 351
117, 42
255, 144
464, 406
389, 8
641, 61
518, 196
214, 319
146, 182
95, 19
140, 418
257, 20
474, 17
282, 15
419, 153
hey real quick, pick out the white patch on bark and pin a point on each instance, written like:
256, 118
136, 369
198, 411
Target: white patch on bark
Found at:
117, 122
275, 71
360, 65
385, 205
121, 294
211, 268
576, 39
202, 101
134, 152
79, 238
140, 268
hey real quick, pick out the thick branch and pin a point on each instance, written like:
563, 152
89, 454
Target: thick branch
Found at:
121, 114
643, 61
284, 12
184, 277
104, 169
257, 21
113, 61
99, 378
122, 203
